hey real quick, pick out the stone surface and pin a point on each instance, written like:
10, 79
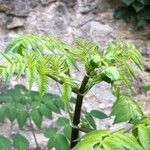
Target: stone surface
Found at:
146, 64
33, 3
147, 50
3, 8
18, 8
46, 22
15, 23
99, 31
70, 3
46, 2
86, 6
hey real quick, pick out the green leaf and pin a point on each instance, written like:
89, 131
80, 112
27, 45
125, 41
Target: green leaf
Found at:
5, 143
142, 1
90, 120
43, 83
126, 109
52, 106
88, 141
44, 110
120, 12
66, 94
62, 122
50, 132
146, 88
37, 118
59, 142
141, 22
11, 113
20, 142
112, 73
22, 118
105, 140
128, 2
138, 6
144, 136
67, 132
2, 113
127, 140
5, 97
98, 114
146, 2
145, 121
59, 103
110, 144
7, 57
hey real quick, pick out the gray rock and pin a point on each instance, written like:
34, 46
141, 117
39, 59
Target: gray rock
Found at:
97, 31
15, 23
3, 8
86, 6
146, 64
70, 3
33, 3
47, 22
148, 48
46, 2
144, 49
19, 8
3, 20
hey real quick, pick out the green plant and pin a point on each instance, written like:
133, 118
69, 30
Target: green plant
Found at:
138, 139
146, 88
44, 57
137, 9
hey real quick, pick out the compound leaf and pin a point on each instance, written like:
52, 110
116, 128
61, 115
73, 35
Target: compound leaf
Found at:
50, 132
66, 94
37, 118
59, 142
144, 136
90, 120
98, 114
20, 142
11, 113
128, 2
44, 110
126, 109
62, 122
5, 143
22, 118
112, 73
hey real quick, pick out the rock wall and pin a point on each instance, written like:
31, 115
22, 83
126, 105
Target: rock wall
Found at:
67, 19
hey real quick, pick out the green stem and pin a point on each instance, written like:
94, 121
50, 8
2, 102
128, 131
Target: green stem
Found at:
77, 112
86, 130
32, 127
75, 88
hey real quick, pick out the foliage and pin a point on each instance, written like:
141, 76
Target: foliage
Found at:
4, 143
16, 99
146, 88
111, 65
14, 108
137, 9
125, 104
40, 58
106, 140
